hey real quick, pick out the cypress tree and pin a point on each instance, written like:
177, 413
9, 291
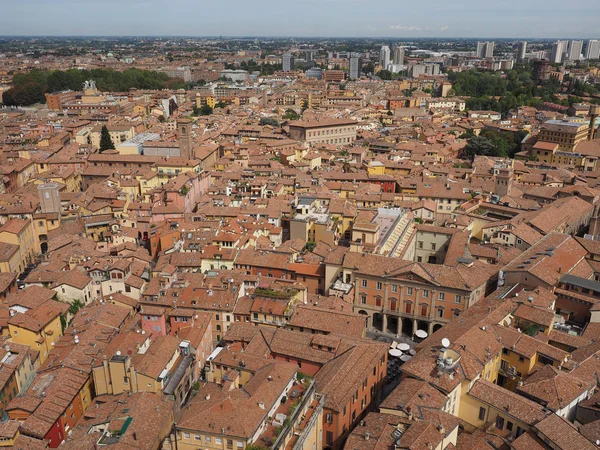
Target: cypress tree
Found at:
106, 142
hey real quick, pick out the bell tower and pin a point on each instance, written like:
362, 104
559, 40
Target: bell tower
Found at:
184, 130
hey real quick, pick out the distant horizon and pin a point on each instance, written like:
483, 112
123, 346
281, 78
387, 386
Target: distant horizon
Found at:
389, 19
224, 36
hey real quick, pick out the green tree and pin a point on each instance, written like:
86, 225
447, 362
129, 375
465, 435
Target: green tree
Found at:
478, 145
29, 88
75, 306
268, 121
106, 142
368, 68
290, 114
23, 95
384, 74
206, 110
220, 104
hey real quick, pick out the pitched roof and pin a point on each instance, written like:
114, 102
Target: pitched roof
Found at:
340, 378
238, 411
562, 434
514, 405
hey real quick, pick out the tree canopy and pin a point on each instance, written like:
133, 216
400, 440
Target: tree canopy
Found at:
204, 110
290, 114
384, 74
503, 91
269, 121
504, 144
29, 88
106, 142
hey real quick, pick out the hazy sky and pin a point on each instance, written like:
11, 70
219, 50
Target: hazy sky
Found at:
360, 18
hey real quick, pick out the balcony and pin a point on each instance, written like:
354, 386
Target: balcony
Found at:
302, 408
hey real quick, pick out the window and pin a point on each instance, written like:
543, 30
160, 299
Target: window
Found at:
378, 301
394, 288
481, 413
409, 291
420, 244
329, 417
379, 285
500, 422
442, 295
521, 359
509, 425
440, 312
505, 351
197, 437
363, 299
186, 435
207, 438
433, 246
457, 299
364, 283
408, 308
239, 444
425, 293
329, 438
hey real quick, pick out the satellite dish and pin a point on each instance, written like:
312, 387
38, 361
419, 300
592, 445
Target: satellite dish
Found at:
446, 342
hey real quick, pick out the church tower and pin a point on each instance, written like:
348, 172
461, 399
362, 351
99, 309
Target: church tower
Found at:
504, 181
184, 130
